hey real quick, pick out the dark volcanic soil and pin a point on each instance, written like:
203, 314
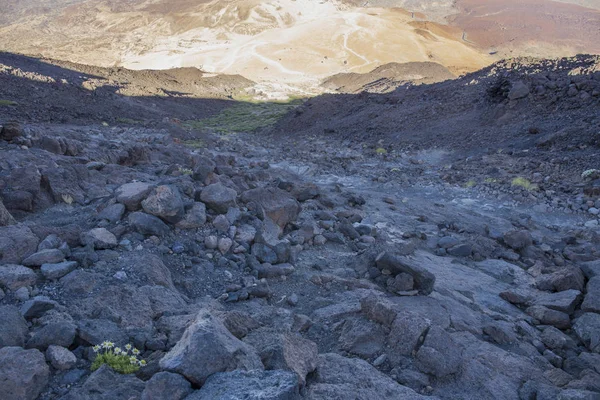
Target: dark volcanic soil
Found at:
438, 242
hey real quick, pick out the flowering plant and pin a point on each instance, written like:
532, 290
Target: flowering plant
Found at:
124, 361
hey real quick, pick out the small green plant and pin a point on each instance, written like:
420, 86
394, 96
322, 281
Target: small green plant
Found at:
471, 183
590, 174
381, 150
123, 361
8, 103
185, 171
491, 180
194, 144
128, 121
523, 183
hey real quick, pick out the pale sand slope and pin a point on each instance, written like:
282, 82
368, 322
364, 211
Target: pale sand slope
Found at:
329, 43
283, 42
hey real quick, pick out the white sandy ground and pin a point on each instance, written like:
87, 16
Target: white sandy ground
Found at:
287, 46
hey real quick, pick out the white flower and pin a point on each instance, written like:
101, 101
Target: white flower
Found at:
142, 363
96, 348
136, 352
128, 347
118, 350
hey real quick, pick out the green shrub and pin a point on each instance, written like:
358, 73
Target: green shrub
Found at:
523, 183
123, 361
7, 103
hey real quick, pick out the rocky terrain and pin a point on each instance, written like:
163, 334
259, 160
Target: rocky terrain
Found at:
440, 241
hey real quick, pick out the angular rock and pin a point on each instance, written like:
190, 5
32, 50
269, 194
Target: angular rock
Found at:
5, 217
363, 338
57, 271
194, 218
100, 239
37, 307
106, 384
14, 277
207, 347
60, 358
337, 377
218, 197
59, 333
13, 328
166, 386
50, 256
439, 355
23, 373
518, 240
165, 202
132, 194
112, 213
518, 90
285, 352
587, 328
148, 224
16, 243
249, 385
423, 279
565, 301
276, 204
592, 298
10, 130
406, 332
547, 316
565, 279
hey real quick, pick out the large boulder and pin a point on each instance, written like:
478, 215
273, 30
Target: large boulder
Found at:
14, 277
5, 217
23, 373
276, 204
592, 298
166, 386
165, 202
207, 347
132, 194
10, 130
106, 384
395, 264
194, 218
587, 328
249, 385
99, 238
338, 377
16, 243
147, 224
439, 355
13, 327
285, 351
218, 197
48, 256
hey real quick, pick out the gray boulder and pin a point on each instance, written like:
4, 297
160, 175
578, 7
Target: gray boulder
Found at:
106, 384
518, 240
60, 358
439, 355
286, 352
166, 386
57, 271
518, 90
112, 213
194, 218
165, 202
132, 194
207, 347
13, 327
587, 328
49, 256
218, 197
337, 377
99, 238
23, 373
592, 297
14, 277
16, 243
423, 279
5, 217
147, 224
249, 385
278, 205
59, 333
